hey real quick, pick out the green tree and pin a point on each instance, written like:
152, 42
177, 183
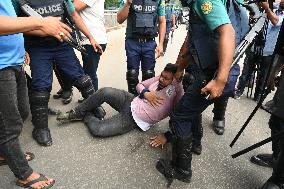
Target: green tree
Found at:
111, 3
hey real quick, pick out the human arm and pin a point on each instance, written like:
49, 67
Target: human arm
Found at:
146, 84
79, 5
48, 26
82, 27
173, 22
270, 14
226, 52
122, 14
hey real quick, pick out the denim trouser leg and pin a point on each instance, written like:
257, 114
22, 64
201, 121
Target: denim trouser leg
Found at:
118, 124
91, 62
13, 110
116, 98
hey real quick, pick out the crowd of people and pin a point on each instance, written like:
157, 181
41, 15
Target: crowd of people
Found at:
202, 75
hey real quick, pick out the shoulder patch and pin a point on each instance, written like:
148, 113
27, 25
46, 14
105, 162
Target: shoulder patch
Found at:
207, 7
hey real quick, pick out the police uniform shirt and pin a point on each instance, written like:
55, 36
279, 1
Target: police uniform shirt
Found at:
45, 9
212, 12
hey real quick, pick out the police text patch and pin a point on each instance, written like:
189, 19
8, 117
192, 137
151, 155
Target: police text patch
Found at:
207, 7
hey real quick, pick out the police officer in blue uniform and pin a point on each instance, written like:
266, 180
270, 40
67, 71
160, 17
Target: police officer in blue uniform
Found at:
143, 17
170, 23
43, 52
214, 29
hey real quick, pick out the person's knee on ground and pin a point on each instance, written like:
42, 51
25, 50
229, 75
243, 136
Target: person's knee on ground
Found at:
39, 109
132, 80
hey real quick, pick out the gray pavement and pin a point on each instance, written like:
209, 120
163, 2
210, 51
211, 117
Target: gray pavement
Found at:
78, 161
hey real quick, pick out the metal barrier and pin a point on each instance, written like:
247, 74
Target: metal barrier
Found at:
110, 20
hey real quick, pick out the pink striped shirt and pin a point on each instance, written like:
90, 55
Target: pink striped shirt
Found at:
144, 111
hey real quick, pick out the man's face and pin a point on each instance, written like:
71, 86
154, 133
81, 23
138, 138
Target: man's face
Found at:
166, 79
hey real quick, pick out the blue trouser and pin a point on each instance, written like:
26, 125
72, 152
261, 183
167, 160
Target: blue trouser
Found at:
42, 65
193, 103
91, 62
143, 52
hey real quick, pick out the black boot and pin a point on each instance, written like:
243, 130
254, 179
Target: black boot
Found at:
67, 96
197, 132
132, 81
265, 160
219, 110
180, 166
39, 110
147, 74
58, 94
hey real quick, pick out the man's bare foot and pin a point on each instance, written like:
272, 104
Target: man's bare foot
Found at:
158, 140
41, 183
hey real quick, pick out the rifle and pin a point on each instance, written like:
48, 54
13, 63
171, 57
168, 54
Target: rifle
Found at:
75, 43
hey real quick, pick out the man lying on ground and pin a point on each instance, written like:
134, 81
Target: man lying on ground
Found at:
157, 96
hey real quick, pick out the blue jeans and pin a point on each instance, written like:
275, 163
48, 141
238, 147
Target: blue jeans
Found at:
143, 52
42, 59
91, 62
193, 103
14, 109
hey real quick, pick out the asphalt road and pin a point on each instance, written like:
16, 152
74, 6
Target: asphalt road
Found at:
76, 160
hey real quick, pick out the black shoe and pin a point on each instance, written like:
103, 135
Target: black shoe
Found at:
166, 168
58, 94
271, 185
42, 136
67, 96
219, 126
196, 149
71, 115
53, 111
269, 106
265, 160
99, 113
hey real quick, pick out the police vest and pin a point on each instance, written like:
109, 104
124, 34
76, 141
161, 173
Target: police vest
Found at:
45, 8
205, 43
142, 19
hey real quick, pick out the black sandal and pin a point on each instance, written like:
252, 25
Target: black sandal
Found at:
26, 154
39, 179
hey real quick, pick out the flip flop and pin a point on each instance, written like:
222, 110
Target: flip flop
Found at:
31, 157
39, 179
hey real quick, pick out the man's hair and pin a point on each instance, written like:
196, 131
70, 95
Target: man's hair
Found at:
171, 68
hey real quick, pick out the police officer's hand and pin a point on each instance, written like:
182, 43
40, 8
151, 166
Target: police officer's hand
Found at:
153, 98
215, 88
159, 50
54, 27
158, 140
173, 28
96, 46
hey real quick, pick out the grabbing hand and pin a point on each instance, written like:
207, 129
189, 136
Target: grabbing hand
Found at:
158, 140
54, 27
215, 88
96, 46
153, 98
